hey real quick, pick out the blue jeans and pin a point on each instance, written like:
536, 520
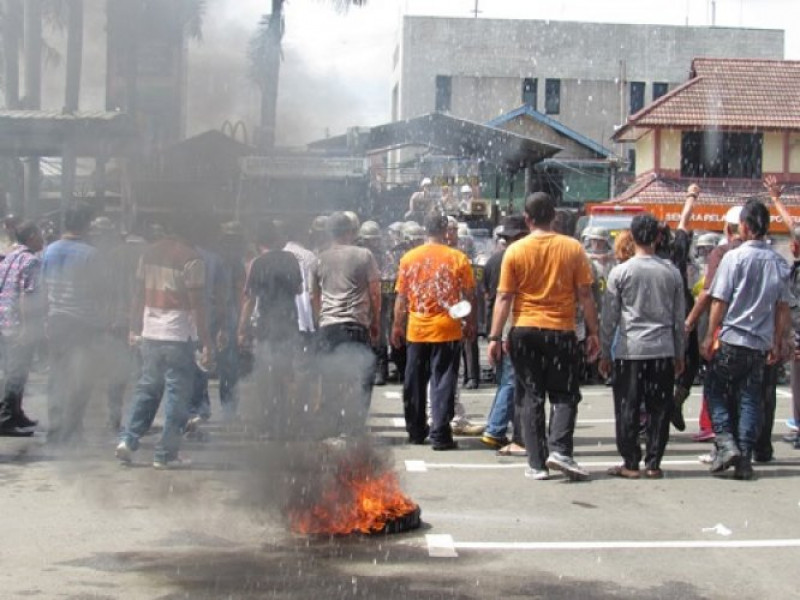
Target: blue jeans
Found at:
502, 410
168, 367
733, 387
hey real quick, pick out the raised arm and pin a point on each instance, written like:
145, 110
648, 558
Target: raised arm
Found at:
775, 190
688, 206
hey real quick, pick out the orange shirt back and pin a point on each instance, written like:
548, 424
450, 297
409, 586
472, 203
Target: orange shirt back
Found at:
543, 272
433, 277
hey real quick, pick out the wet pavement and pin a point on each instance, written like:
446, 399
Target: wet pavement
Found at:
77, 525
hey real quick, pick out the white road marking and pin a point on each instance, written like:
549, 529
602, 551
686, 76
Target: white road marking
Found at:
783, 394
416, 466
441, 546
393, 395
399, 422
621, 545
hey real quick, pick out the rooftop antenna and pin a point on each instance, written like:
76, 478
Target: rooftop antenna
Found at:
475, 10
713, 13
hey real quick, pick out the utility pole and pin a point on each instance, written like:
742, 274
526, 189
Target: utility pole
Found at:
475, 10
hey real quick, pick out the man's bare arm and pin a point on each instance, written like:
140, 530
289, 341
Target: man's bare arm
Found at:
688, 206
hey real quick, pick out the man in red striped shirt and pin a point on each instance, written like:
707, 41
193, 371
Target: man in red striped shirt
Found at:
168, 316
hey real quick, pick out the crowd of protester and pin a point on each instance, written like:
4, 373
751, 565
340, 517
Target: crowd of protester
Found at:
317, 313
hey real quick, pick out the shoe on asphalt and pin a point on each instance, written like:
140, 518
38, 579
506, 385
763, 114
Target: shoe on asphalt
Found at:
25, 422
537, 474
624, 472
471, 385
380, 379
744, 470
467, 428
790, 438
763, 458
791, 425
727, 455
493, 442
192, 425
12, 430
567, 465
171, 463
654, 474
124, 453
703, 436
451, 445
706, 459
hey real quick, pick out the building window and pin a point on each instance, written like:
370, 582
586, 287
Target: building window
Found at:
637, 96
552, 96
721, 154
659, 89
529, 92
444, 92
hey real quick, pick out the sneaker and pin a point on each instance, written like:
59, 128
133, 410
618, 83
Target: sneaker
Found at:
12, 430
537, 474
25, 422
193, 424
790, 438
567, 465
471, 385
791, 425
467, 429
172, 463
124, 453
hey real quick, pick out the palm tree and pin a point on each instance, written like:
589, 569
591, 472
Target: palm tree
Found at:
265, 64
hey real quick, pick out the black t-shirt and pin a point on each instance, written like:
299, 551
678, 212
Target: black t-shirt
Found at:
274, 280
680, 252
490, 281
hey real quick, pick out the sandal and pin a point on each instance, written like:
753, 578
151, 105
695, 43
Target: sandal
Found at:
512, 450
624, 472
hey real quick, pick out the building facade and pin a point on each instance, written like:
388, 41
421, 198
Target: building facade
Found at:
731, 124
588, 76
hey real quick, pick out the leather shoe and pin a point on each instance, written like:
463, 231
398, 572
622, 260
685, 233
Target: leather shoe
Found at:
654, 474
624, 472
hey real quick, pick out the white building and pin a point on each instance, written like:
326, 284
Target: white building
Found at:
588, 76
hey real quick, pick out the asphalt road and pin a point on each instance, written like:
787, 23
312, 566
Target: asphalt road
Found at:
77, 525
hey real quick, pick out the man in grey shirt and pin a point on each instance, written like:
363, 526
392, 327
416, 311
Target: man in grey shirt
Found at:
750, 300
644, 301
347, 298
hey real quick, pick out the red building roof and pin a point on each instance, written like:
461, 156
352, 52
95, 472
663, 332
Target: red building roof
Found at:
652, 189
726, 93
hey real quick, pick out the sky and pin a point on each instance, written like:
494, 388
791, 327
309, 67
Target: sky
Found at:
336, 70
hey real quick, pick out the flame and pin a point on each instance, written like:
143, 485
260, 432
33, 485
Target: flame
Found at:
355, 500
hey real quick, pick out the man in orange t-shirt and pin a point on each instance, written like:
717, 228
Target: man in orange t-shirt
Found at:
430, 279
542, 278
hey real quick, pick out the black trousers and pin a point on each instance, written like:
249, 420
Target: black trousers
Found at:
471, 356
347, 366
17, 361
546, 364
763, 450
643, 382
437, 363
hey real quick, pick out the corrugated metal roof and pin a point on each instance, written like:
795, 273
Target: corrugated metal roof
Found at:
726, 93
56, 115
